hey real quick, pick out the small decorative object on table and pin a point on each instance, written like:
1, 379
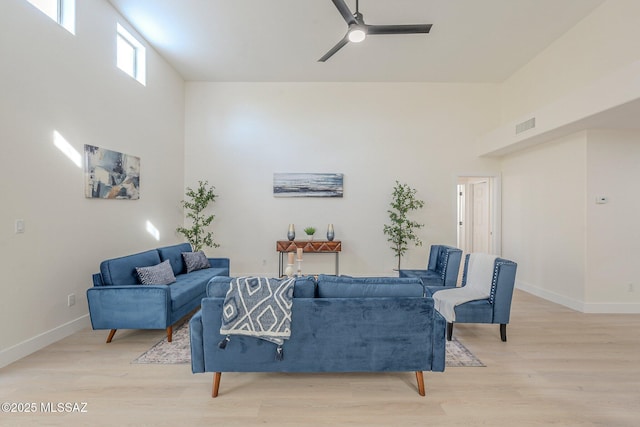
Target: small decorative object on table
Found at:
299, 252
291, 234
289, 270
330, 233
310, 232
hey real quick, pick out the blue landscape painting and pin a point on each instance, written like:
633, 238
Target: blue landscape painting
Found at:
307, 184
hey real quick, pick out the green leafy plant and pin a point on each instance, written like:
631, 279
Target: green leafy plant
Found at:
197, 201
401, 231
310, 231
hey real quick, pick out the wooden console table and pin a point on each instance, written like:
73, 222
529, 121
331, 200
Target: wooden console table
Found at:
308, 246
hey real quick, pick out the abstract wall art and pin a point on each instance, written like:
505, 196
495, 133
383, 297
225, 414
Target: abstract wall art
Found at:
307, 184
110, 174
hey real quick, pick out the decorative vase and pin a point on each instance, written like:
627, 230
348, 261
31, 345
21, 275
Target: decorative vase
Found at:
291, 234
330, 233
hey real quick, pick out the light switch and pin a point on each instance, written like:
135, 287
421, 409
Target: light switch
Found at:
601, 200
19, 225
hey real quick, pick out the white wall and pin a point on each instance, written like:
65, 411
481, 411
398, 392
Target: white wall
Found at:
570, 249
239, 134
53, 80
613, 162
605, 41
544, 218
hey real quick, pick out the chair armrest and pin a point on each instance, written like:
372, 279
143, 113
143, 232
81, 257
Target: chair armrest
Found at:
129, 307
505, 277
450, 276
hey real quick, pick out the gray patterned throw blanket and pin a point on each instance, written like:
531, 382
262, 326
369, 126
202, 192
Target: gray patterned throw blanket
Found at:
258, 307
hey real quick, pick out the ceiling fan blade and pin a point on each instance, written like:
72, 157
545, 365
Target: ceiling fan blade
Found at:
344, 11
334, 49
398, 29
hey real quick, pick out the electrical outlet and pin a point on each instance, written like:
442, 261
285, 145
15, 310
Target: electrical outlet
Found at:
71, 300
19, 225
630, 287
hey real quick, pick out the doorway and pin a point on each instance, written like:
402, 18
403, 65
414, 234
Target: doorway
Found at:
478, 219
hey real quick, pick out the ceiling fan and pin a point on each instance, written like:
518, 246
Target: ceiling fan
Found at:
358, 30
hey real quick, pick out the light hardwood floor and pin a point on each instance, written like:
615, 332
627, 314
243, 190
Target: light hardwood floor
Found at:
559, 367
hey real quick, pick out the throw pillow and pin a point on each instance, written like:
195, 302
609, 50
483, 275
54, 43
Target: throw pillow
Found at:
160, 274
195, 261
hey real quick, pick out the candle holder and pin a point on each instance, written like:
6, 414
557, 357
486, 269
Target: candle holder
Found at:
289, 270
299, 268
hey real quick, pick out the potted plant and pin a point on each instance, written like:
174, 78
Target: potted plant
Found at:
310, 231
197, 202
401, 231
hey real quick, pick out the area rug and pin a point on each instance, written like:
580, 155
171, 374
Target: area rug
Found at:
179, 351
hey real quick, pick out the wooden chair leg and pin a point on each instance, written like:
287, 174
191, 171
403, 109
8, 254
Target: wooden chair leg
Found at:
216, 384
449, 331
111, 334
170, 333
420, 379
503, 332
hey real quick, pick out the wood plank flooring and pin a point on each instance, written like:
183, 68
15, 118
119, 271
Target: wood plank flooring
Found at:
559, 367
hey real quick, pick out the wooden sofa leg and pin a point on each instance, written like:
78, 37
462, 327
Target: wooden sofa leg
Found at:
503, 332
420, 379
216, 384
111, 334
170, 333
449, 331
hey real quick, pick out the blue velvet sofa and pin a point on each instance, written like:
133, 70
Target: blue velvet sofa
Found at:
117, 300
442, 268
338, 324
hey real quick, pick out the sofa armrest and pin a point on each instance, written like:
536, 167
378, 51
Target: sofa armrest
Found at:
129, 307
439, 342
220, 263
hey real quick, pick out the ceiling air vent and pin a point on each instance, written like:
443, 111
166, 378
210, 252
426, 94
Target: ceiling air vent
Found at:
526, 125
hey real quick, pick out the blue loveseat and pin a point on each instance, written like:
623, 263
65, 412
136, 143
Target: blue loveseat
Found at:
117, 300
338, 324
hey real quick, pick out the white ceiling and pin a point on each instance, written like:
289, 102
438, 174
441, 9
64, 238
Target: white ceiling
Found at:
281, 40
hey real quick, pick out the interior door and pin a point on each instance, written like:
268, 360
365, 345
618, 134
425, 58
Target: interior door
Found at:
481, 217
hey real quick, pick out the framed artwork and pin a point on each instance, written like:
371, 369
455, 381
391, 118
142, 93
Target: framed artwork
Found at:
110, 174
307, 184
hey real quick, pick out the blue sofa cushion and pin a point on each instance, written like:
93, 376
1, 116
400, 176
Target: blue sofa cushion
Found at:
381, 280
160, 274
195, 261
304, 287
122, 271
189, 287
428, 277
174, 255
337, 289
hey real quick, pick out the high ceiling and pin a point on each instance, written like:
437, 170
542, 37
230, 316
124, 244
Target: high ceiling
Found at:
281, 40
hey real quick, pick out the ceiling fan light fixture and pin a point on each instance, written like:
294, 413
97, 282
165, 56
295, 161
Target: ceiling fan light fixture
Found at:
356, 33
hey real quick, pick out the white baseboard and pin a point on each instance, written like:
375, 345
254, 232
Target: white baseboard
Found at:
42, 340
581, 306
612, 307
